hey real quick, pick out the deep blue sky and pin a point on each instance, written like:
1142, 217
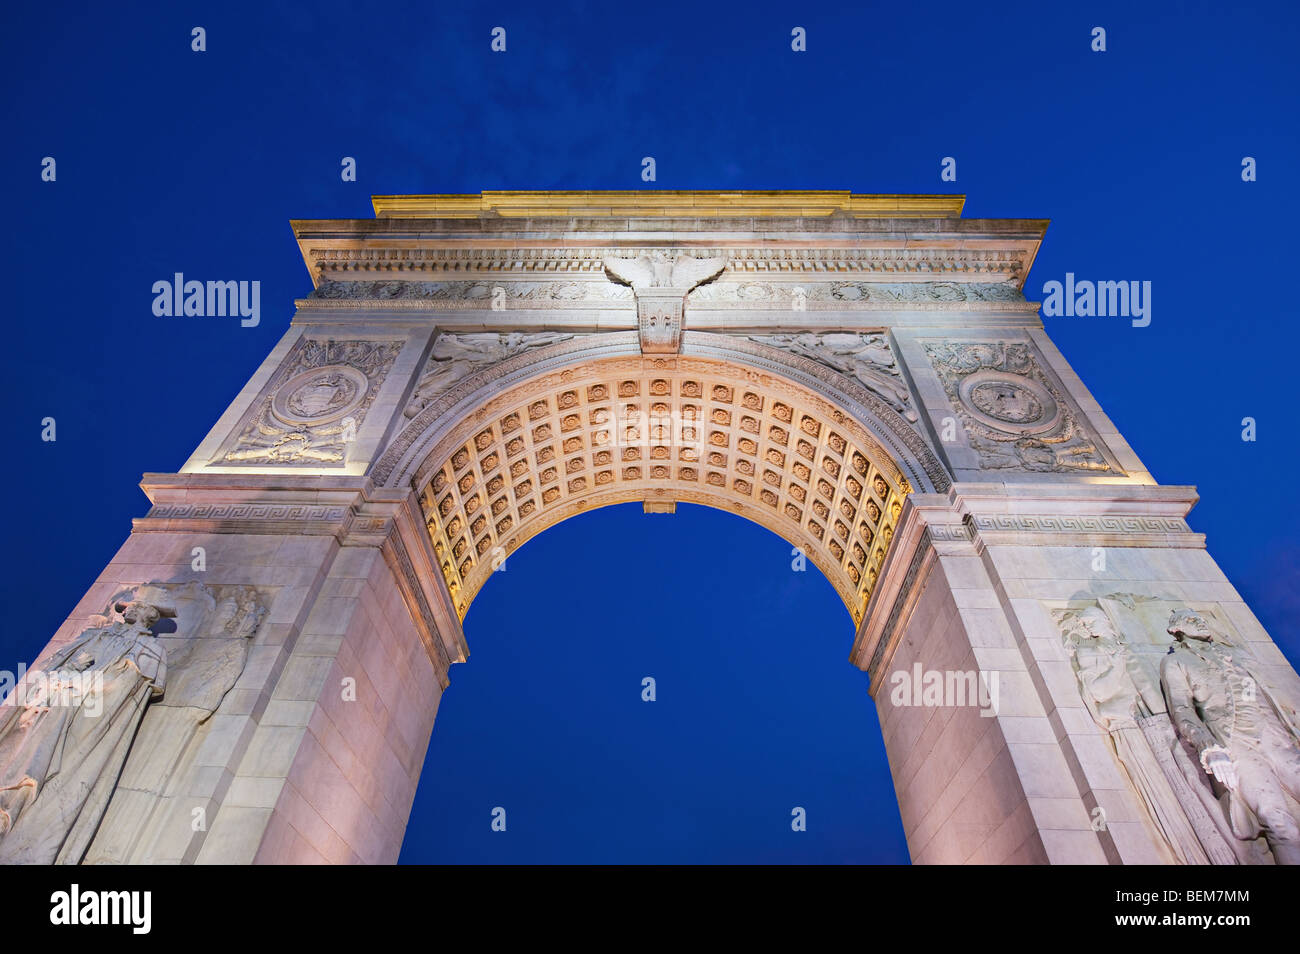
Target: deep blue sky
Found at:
170, 160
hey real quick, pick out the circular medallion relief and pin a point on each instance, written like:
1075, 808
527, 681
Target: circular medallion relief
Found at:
1006, 402
320, 395
1009, 402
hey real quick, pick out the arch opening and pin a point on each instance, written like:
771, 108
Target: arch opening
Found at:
747, 694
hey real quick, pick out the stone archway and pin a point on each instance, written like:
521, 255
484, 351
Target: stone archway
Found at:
860, 374
495, 464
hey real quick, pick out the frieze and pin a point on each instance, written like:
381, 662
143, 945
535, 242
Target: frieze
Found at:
247, 511
474, 293
788, 295
1076, 523
949, 533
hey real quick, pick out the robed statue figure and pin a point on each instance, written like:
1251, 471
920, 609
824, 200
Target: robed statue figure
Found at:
61, 751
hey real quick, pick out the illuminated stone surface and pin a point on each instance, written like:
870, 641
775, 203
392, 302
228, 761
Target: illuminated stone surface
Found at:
859, 374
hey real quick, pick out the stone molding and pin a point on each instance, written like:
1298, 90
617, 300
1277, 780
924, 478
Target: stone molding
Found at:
351, 509
410, 583
1073, 530
1113, 514
922, 558
248, 517
256, 503
982, 265
666, 202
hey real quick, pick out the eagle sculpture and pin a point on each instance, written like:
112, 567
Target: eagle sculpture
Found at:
659, 270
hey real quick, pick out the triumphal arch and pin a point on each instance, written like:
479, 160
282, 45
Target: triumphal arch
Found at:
1062, 672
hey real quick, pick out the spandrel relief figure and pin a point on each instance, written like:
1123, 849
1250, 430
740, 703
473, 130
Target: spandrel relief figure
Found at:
60, 757
1123, 697
866, 357
457, 356
1245, 739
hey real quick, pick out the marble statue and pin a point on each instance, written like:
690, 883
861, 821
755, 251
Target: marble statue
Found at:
118, 706
1245, 739
60, 762
1121, 695
205, 658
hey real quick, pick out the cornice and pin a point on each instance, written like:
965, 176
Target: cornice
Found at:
1113, 515
380, 305
667, 202
992, 264
777, 232
259, 503
354, 256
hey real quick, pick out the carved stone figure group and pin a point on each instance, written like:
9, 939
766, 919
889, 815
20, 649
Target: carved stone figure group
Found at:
62, 753
1212, 753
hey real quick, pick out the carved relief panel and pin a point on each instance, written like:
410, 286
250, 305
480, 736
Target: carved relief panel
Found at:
1016, 417
1210, 751
456, 356
92, 737
463, 295
867, 358
781, 294
311, 410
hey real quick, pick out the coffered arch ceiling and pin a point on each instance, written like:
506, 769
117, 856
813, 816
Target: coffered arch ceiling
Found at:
514, 450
